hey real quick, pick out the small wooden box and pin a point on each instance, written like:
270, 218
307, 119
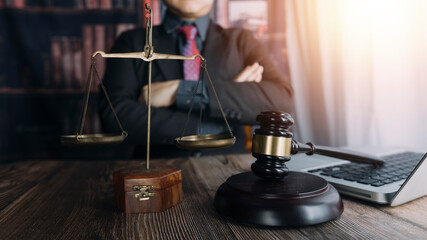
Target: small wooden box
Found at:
138, 190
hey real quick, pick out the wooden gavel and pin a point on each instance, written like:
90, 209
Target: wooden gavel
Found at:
273, 145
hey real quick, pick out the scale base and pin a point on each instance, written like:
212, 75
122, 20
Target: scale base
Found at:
299, 199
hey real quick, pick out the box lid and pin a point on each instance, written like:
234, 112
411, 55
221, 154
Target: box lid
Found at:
158, 176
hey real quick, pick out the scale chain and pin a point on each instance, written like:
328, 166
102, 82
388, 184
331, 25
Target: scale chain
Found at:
205, 71
201, 104
191, 106
106, 96
86, 99
216, 97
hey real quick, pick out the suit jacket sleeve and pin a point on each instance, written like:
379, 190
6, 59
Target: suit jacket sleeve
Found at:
123, 80
242, 102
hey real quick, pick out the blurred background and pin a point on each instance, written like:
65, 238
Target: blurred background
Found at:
358, 67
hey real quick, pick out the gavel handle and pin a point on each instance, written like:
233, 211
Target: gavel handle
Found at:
310, 148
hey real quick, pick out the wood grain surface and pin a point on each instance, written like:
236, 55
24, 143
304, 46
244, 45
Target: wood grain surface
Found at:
75, 200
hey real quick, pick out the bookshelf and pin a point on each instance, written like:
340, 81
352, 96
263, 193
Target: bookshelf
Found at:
45, 49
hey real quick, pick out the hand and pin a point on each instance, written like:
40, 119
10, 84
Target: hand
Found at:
163, 94
252, 73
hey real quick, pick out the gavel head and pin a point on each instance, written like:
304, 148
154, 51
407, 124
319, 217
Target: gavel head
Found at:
271, 144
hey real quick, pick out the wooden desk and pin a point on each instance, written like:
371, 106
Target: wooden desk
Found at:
74, 200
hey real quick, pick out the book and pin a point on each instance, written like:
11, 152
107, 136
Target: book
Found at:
99, 45
156, 12
56, 61
87, 37
105, 4
110, 35
18, 3
66, 61
77, 59
91, 4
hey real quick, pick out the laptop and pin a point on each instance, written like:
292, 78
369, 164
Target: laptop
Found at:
402, 178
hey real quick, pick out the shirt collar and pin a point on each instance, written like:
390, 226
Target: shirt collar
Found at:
171, 22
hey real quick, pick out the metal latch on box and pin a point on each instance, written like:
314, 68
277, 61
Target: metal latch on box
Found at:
144, 193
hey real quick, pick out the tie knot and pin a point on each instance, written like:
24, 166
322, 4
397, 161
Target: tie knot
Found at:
189, 31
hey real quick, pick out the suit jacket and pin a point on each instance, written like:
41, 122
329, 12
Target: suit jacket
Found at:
227, 51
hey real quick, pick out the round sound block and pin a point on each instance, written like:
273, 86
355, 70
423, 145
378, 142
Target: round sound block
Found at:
299, 199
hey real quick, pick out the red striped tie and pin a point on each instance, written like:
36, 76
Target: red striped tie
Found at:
191, 67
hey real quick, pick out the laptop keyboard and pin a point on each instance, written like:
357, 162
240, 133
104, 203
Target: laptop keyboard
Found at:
396, 167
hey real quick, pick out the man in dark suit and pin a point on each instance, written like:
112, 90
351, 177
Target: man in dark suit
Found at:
243, 73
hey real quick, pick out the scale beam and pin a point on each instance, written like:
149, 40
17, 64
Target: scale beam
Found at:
141, 55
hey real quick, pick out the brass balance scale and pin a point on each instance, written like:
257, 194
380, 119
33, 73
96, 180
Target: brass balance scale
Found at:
155, 189
198, 141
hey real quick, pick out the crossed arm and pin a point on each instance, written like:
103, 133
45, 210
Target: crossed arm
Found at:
163, 94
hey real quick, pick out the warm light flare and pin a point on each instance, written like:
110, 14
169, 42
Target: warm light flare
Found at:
370, 59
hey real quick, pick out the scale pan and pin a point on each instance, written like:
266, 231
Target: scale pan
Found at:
205, 141
93, 139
